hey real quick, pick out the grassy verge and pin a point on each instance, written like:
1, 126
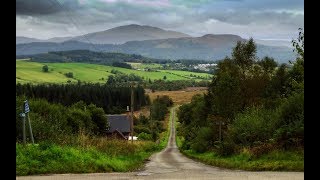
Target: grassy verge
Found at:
273, 161
50, 158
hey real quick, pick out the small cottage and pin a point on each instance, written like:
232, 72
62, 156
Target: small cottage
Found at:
119, 126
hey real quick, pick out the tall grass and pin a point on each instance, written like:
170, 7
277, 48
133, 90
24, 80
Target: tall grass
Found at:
84, 155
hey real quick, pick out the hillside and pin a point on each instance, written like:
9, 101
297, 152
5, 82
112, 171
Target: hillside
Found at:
132, 32
27, 71
85, 56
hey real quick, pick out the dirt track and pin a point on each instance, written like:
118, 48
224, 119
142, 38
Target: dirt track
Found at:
171, 164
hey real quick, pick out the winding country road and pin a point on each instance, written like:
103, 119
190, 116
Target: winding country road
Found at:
171, 164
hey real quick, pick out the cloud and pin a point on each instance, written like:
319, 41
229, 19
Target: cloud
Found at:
43, 7
263, 18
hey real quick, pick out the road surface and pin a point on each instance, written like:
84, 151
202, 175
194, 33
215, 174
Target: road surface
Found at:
171, 164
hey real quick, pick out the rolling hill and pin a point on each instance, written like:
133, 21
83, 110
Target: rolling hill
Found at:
31, 72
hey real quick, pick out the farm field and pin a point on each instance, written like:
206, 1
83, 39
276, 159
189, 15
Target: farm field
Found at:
178, 97
145, 65
27, 71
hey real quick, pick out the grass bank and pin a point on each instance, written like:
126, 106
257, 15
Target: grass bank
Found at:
273, 161
46, 158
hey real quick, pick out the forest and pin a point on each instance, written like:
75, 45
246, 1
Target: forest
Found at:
112, 99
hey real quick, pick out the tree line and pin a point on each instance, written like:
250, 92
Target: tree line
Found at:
251, 103
112, 99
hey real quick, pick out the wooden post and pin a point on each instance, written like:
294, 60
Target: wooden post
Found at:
24, 128
30, 129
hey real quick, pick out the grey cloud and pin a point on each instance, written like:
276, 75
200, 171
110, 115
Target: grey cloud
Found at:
44, 7
93, 15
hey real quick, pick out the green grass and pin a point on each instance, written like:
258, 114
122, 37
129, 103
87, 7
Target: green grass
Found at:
27, 71
51, 158
273, 161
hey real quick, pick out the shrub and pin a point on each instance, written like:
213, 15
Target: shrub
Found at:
145, 136
262, 149
203, 140
45, 68
142, 128
69, 74
291, 121
255, 124
225, 148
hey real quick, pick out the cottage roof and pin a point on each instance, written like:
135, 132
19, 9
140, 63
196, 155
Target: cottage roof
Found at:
119, 122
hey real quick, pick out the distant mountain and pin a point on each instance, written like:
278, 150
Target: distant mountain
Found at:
22, 40
59, 39
207, 47
285, 43
133, 32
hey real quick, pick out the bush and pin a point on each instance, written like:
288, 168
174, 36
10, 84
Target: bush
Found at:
262, 149
254, 124
69, 74
45, 68
203, 140
142, 128
291, 121
225, 148
53, 122
145, 136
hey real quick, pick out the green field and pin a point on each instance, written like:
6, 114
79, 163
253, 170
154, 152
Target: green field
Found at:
27, 71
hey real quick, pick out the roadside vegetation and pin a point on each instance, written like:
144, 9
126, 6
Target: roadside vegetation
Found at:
252, 116
71, 138
87, 155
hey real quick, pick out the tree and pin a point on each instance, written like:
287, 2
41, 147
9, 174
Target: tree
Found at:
111, 80
299, 44
244, 53
45, 68
268, 64
164, 77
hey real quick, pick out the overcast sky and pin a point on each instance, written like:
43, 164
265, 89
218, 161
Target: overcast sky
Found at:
260, 19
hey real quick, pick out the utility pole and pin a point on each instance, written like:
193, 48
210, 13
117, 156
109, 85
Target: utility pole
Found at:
132, 113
